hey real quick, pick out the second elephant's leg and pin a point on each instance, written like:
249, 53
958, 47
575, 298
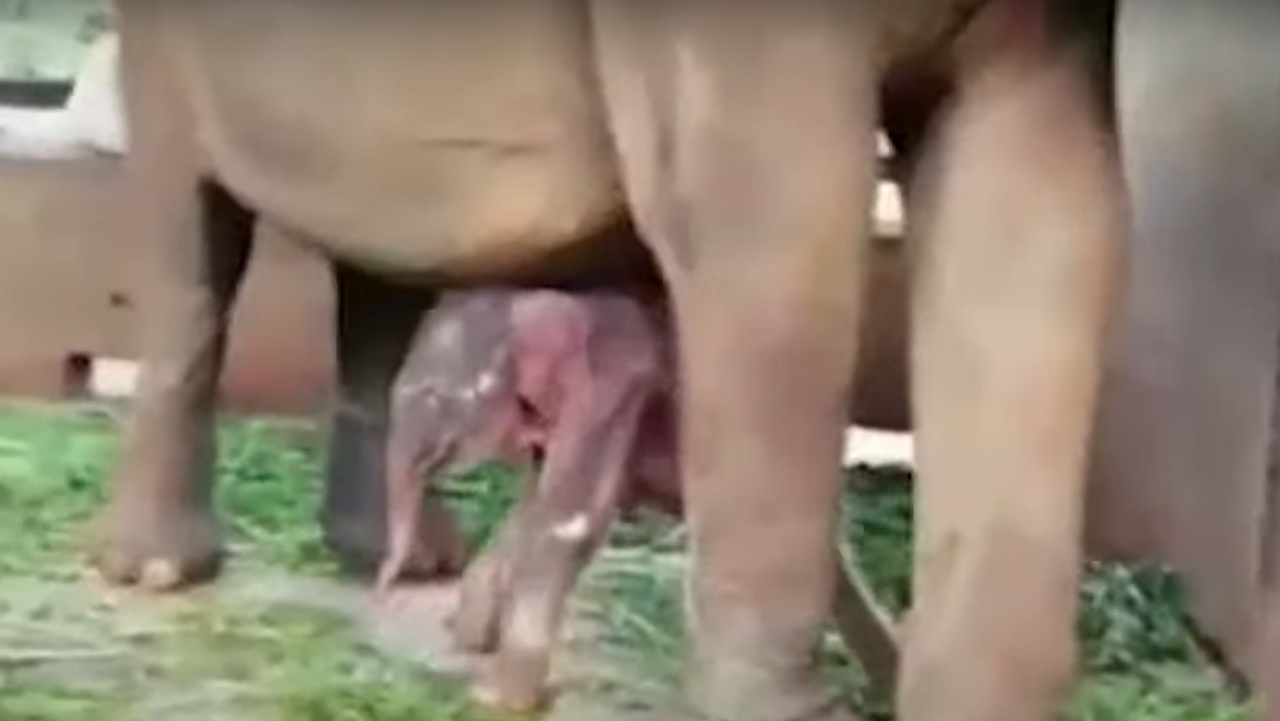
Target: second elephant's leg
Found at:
375, 324
1186, 452
1020, 242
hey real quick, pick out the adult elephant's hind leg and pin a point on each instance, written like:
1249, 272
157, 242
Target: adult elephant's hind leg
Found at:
159, 529
747, 135
1012, 290
375, 323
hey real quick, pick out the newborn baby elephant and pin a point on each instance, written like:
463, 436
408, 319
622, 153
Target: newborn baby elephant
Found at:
580, 386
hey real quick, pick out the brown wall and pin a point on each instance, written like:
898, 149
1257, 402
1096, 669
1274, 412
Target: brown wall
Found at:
63, 273
66, 266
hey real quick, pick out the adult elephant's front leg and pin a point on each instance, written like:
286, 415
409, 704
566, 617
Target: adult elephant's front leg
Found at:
375, 323
747, 136
159, 529
1020, 237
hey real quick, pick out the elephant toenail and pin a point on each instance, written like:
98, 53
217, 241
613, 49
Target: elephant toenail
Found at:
160, 574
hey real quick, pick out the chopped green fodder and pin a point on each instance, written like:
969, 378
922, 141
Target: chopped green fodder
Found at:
1141, 661
1140, 658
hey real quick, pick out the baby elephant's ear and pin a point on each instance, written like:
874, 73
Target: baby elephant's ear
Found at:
499, 436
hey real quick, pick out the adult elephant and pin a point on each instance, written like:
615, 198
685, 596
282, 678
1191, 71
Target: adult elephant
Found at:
500, 141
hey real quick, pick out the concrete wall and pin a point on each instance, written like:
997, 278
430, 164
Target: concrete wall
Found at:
44, 39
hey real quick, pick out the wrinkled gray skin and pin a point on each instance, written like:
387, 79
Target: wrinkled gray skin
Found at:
503, 141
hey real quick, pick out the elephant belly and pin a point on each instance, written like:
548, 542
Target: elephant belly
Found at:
428, 136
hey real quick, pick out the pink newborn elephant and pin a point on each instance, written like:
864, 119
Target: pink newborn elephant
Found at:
578, 386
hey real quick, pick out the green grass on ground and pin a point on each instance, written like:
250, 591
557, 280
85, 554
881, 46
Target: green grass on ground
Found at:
62, 659
65, 659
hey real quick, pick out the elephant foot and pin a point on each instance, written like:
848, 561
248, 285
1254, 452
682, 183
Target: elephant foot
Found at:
476, 621
359, 541
733, 687
513, 685
475, 628
158, 549
682, 712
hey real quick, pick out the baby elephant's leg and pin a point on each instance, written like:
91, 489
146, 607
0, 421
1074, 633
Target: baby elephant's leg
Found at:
486, 584
578, 495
